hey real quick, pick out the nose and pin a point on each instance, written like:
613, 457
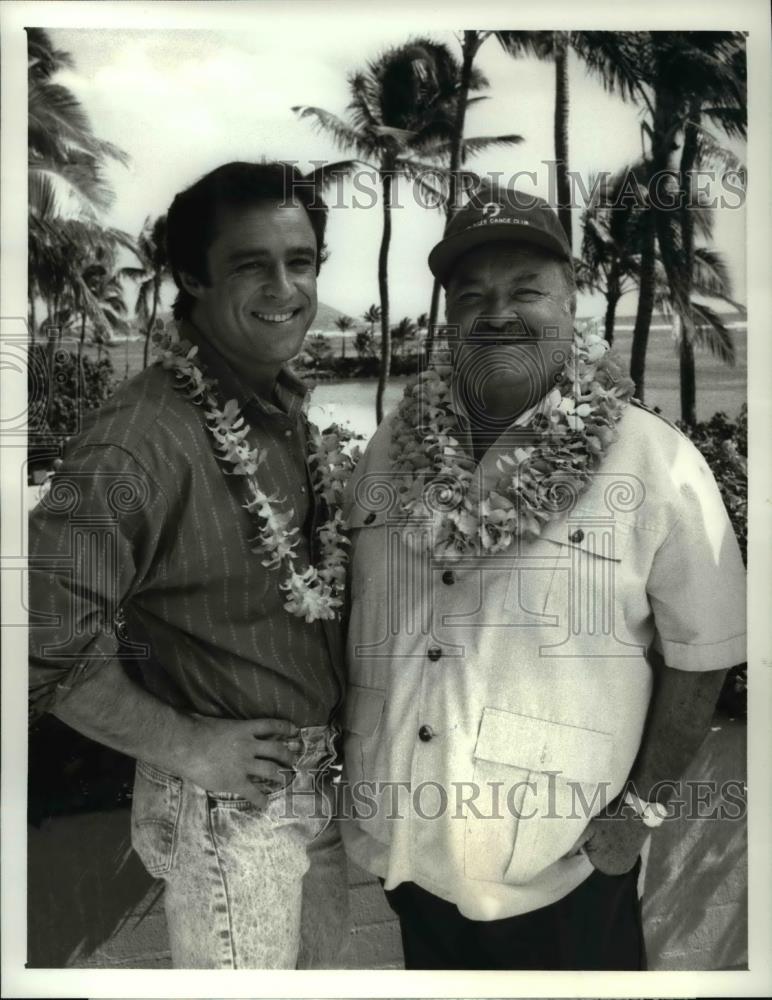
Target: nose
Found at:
277, 284
498, 315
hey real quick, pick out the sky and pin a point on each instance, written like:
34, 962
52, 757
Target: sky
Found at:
181, 102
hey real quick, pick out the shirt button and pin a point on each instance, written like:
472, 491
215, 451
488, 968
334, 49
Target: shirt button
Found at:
425, 733
302, 489
288, 433
576, 536
434, 653
448, 577
370, 518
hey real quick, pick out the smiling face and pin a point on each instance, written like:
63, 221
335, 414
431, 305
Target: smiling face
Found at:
261, 295
514, 310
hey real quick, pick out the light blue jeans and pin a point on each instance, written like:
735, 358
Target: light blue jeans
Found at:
248, 888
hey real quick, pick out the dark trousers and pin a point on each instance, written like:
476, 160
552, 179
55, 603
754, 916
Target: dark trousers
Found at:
597, 926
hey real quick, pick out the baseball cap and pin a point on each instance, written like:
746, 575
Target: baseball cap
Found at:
495, 214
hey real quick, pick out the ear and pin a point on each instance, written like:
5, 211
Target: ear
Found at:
191, 284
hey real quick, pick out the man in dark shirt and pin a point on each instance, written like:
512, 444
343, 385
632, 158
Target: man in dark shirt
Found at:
238, 694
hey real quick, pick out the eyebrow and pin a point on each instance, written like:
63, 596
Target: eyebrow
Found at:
260, 252
465, 282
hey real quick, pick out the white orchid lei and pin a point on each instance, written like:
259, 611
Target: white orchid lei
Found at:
574, 431
313, 592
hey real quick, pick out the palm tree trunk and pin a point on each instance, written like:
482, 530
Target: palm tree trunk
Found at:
687, 369
151, 320
688, 380
470, 46
658, 163
561, 132
434, 309
52, 338
645, 304
383, 289
613, 294
469, 49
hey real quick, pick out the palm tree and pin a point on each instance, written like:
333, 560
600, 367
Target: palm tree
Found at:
76, 274
364, 344
65, 166
726, 104
343, 323
466, 79
404, 331
611, 261
389, 122
64, 154
154, 269
601, 53
611, 239
670, 73
400, 113
104, 304
372, 316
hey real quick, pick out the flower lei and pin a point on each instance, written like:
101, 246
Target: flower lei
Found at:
536, 481
313, 592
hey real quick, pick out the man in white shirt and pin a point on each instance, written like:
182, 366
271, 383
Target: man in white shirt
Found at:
545, 595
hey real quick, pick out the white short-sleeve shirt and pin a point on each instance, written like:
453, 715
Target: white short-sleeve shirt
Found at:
496, 703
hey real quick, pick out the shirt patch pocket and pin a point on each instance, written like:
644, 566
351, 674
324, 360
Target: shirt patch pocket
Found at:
538, 783
155, 814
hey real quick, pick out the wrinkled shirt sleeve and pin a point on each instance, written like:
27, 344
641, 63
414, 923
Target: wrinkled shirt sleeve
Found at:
92, 542
696, 586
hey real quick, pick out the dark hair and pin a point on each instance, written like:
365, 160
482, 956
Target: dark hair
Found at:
191, 223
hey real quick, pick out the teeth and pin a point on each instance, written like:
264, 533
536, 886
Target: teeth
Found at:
275, 317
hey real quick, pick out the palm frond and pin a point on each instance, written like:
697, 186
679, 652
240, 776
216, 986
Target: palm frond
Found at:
479, 143
711, 332
711, 275
342, 134
712, 151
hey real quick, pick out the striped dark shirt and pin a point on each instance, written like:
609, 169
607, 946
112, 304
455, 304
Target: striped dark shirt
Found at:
140, 517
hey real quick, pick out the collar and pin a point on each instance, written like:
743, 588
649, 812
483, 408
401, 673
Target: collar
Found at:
290, 391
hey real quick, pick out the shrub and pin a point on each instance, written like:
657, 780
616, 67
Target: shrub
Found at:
78, 386
724, 445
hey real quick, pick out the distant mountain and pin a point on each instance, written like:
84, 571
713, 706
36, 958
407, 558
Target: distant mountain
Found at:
325, 319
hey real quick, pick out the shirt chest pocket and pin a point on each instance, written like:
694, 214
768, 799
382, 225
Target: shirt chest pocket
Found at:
538, 783
567, 580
